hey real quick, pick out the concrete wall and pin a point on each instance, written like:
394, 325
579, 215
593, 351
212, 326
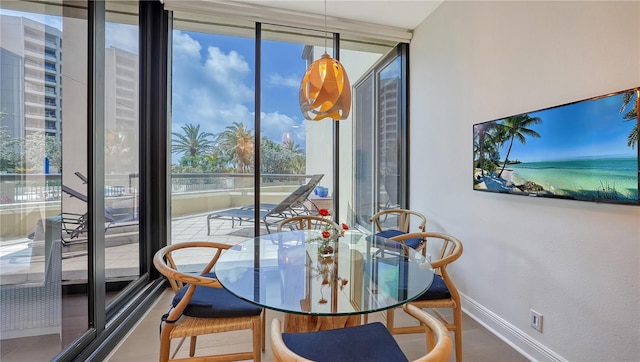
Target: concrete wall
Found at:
577, 263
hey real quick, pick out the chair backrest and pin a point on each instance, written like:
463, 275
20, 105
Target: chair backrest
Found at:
298, 196
440, 350
307, 222
398, 218
443, 250
315, 180
165, 261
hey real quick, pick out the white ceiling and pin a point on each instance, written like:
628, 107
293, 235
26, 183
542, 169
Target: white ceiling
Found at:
401, 14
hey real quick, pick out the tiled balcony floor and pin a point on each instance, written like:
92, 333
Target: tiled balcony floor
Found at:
21, 261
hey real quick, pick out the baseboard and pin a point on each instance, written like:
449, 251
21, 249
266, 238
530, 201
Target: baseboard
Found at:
520, 341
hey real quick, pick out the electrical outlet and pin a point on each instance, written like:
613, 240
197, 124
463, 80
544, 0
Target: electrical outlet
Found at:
535, 320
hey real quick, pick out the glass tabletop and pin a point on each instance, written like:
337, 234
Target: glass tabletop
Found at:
284, 271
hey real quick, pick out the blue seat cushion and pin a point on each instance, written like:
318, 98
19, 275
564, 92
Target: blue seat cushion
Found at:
388, 234
437, 290
208, 302
369, 342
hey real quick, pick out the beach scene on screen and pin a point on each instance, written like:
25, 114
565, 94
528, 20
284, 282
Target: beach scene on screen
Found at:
586, 150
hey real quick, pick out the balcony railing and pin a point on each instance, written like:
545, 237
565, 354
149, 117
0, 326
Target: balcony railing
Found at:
19, 188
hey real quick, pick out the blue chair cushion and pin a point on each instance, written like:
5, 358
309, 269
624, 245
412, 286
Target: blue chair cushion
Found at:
412, 242
208, 302
369, 342
437, 290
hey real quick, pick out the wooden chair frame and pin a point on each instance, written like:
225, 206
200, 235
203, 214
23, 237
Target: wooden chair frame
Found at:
438, 340
307, 222
449, 252
186, 326
404, 220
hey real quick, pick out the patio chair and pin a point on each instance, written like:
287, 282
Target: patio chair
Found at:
298, 206
74, 225
270, 214
368, 342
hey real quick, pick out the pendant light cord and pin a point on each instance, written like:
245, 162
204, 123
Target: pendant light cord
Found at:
325, 26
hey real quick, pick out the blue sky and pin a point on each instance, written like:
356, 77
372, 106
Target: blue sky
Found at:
213, 84
591, 128
213, 79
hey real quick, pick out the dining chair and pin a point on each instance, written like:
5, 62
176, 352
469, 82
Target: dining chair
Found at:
393, 222
307, 222
444, 250
367, 342
201, 306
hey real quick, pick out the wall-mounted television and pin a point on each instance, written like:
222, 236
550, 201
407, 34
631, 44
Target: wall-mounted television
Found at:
586, 150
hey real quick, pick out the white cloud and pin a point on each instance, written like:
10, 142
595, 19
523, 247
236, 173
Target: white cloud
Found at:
228, 72
122, 36
213, 86
209, 88
292, 80
185, 46
274, 125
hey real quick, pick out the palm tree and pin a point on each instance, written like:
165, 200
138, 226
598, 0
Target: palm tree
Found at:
632, 114
516, 127
191, 142
237, 141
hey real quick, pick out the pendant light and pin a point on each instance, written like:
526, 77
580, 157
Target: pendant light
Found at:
325, 91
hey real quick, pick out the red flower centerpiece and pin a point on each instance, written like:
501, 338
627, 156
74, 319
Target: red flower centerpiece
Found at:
329, 236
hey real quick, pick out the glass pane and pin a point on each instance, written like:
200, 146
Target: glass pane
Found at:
40, 51
388, 170
364, 146
358, 143
293, 148
122, 259
212, 125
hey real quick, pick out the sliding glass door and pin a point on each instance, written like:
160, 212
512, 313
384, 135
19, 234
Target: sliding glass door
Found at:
380, 147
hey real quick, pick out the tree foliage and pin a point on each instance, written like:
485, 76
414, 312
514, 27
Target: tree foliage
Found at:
39, 146
191, 141
632, 114
235, 143
9, 151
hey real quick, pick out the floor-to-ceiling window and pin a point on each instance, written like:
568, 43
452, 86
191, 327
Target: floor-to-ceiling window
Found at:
212, 125
69, 175
42, 231
219, 70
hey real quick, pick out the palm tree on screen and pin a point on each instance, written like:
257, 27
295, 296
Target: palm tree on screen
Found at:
632, 114
516, 127
237, 141
485, 146
191, 142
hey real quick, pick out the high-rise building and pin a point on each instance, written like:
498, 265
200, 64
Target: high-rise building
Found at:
31, 81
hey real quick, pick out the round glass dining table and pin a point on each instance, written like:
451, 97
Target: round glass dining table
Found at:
284, 271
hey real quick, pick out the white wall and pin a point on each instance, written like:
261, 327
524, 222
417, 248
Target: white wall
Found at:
575, 262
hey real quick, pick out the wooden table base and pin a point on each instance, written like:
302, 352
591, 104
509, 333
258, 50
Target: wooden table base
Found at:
295, 323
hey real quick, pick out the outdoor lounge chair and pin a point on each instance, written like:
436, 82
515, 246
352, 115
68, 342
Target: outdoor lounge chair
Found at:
298, 206
269, 213
73, 225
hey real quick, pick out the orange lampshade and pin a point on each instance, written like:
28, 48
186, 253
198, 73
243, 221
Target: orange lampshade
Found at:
325, 90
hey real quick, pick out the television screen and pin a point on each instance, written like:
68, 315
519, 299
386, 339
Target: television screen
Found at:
586, 150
